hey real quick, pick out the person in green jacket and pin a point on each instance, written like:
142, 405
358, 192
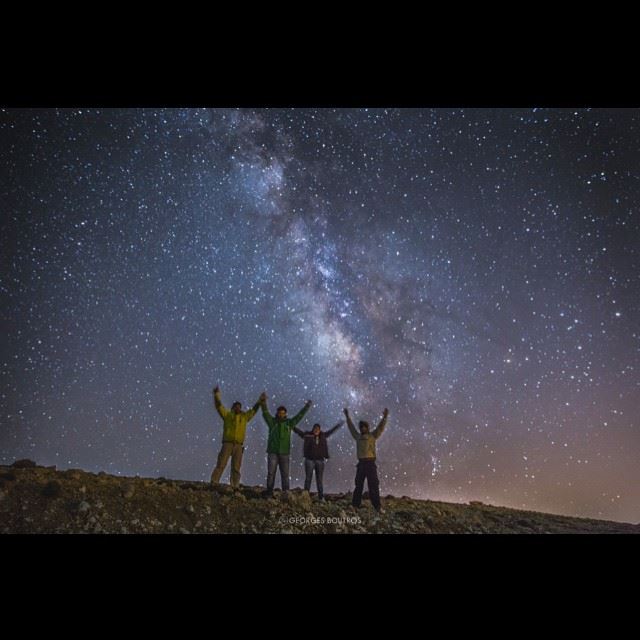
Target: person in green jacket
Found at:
233, 431
279, 443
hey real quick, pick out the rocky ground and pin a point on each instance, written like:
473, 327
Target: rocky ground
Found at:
36, 499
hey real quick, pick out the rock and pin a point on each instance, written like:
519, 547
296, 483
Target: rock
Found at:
301, 500
52, 489
404, 515
252, 492
24, 464
84, 506
128, 490
224, 489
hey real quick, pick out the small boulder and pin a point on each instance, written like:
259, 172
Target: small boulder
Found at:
52, 489
24, 464
128, 490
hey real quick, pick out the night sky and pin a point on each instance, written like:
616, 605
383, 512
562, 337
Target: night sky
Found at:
476, 271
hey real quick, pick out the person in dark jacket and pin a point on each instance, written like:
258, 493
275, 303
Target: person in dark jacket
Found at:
366, 450
279, 443
315, 453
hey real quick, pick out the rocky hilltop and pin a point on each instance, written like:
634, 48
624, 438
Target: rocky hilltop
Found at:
35, 499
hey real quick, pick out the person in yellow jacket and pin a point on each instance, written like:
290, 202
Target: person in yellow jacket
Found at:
235, 423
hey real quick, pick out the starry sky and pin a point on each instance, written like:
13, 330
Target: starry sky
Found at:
476, 271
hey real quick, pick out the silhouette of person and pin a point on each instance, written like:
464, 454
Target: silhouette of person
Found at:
279, 443
315, 452
234, 422
366, 468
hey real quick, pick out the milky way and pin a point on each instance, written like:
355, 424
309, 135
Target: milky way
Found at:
476, 271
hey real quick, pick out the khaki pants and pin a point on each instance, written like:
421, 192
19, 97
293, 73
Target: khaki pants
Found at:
229, 450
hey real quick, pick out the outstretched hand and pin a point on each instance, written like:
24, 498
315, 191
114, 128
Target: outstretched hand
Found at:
309, 402
216, 389
263, 397
346, 412
385, 413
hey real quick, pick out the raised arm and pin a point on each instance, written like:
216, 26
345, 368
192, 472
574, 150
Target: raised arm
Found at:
222, 410
252, 412
350, 424
299, 432
294, 421
334, 429
268, 418
380, 428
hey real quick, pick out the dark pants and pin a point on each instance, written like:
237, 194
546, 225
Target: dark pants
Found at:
275, 460
367, 469
309, 466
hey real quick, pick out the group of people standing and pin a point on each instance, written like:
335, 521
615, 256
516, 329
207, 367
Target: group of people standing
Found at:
315, 451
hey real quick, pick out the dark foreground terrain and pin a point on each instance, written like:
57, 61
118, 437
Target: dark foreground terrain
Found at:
37, 499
